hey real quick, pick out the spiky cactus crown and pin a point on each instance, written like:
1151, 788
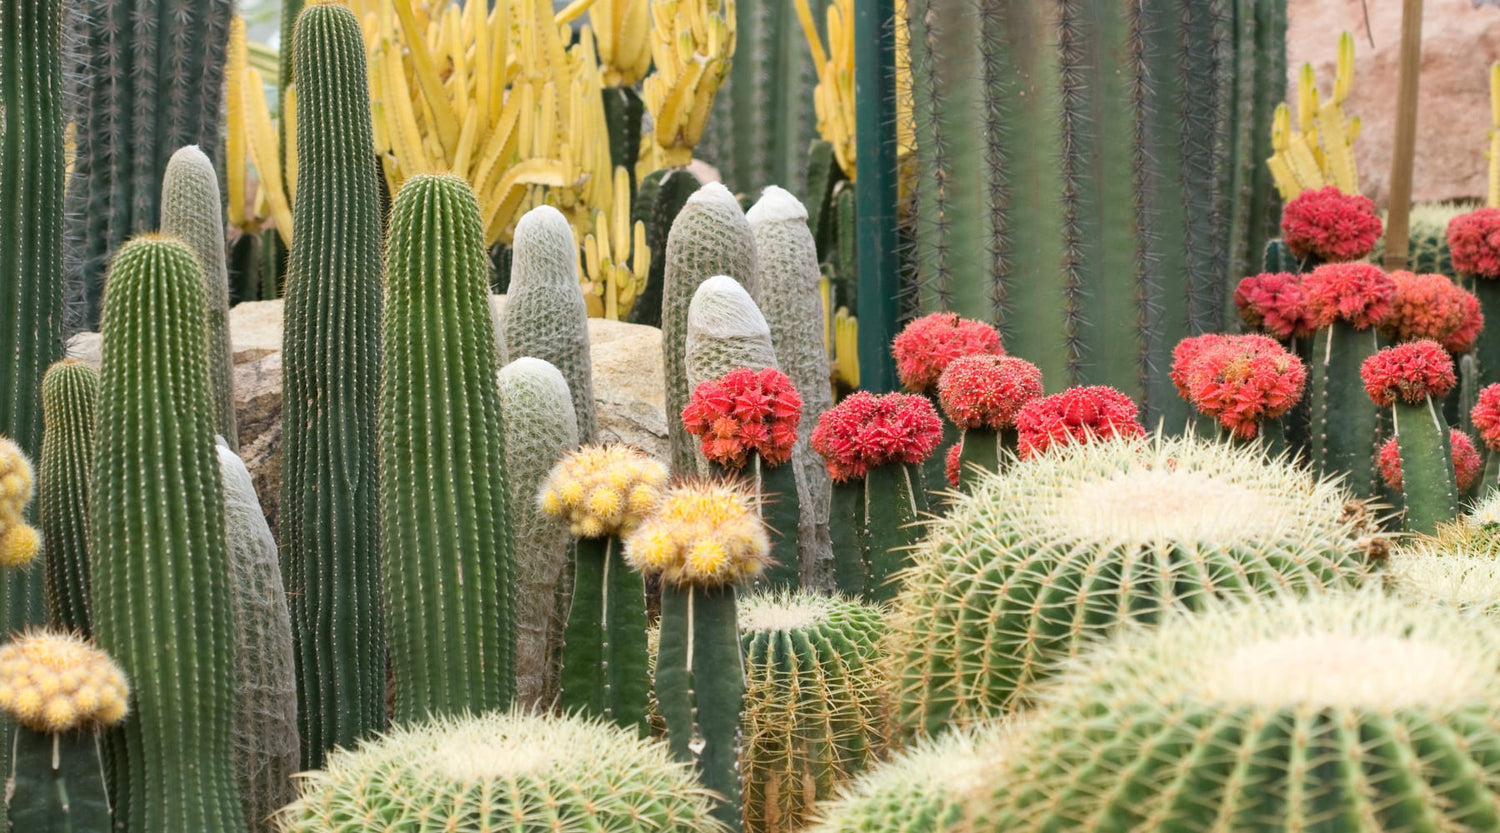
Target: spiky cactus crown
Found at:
1432, 306
1241, 381
987, 391
1330, 225
706, 534
1486, 416
18, 540
1466, 462
1077, 415
1474, 241
57, 682
1357, 293
1459, 566
1071, 545
1272, 301
867, 430
503, 769
745, 411
1409, 372
603, 490
1486, 511
924, 347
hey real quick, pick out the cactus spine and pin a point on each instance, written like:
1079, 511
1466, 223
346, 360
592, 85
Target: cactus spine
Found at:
1257, 42
331, 347
162, 603
444, 498
70, 391
544, 314
191, 211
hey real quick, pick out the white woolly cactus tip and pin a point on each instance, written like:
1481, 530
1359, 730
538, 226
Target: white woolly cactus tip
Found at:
707, 534
713, 192
603, 490
55, 682
785, 611
540, 223
540, 377
722, 308
776, 205
1459, 566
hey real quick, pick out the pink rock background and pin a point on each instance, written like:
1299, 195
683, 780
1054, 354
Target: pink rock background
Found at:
1459, 42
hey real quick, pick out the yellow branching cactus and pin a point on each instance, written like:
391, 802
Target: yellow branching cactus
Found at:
603, 490
623, 29
616, 260
692, 42
52, 682
833, 98
1322, 153
18, 541
706, 534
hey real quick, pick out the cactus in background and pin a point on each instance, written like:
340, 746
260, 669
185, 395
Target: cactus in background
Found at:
69, 393
19, 541
266, 745
544, 314
812, 717
1409, 378
1322, 152
1473, 246
444, 498
1257, 83
1078, 542
1459, 566
503, 770
660, 197
192, 212
331, 347
709, 237
152, 76
161, 587
692, 44
982, 396
535, 403
1427, 247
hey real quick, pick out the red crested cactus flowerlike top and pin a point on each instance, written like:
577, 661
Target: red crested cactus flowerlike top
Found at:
927, 345
1466, 463
1474, 242
865, 430
1431, 306
1272, 301
1486, 416
1410, 372
745, 411
1186, 353
1358, 293
1244, 380
1330, 225
987, 391
1077, 415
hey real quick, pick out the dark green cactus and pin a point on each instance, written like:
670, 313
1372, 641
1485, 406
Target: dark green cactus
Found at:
1428, 488
604, 648
152, 75
874, 520
659, 198
69, 393
161, 597
331, 349
1345, 428
58, 784
1257, 83
1278, 258
443, 493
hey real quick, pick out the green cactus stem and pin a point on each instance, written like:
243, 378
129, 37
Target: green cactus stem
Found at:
1345, 428
444, 498
984, 449
604, 647
623, 109
1278, 258
1428, 487
70, 391
659, 198
874, 520
1257, 40
58, 783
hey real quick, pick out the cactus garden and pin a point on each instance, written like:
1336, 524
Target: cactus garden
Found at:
743, 416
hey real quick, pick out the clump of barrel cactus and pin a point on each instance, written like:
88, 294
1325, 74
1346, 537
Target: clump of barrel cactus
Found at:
1458, 566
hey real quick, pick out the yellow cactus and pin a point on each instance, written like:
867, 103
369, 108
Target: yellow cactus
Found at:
1323, 153
19, 544
623, 29
616, 261
692, 42
52, 682
18, 541
833, 98
706, 534
603, 490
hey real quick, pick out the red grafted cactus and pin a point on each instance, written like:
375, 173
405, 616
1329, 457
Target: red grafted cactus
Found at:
1330, 225
926, 347
1432, 307
1244, 380
1474, 242
1077, 415
1486, 416
1466, 462
1273, 302
987, 391
1409, 372
1186, 354
745, 411
952, 465
866, 430
1358, 293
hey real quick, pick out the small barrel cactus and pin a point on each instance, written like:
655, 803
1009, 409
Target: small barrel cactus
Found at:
70, 391
19, 542
507, 770
1408, 378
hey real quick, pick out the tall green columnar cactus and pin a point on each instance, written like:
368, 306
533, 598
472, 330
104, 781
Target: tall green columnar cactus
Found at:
152, 75
709, 237
787, 290
331, 349
162, 604
192, 212
444, 498
660, 197
538, 411
1257, 73
266, 747
1410, 379
69, 392
544, 314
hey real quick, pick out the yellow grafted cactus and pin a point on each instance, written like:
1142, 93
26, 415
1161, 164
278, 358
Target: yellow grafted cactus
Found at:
692, 42
833, 98
53, 682
18, 540
623, 31
1322, 153
603, 490
706, 534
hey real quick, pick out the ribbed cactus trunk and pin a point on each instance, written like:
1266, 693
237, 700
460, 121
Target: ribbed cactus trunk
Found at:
605, 657
58, 784
331, 349
1257, 83
151, 75
1344, 434
70, 391
162, 605
444, 498
659, 198
1428, 485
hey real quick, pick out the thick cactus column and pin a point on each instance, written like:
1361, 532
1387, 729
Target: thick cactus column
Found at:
70, 391
1408, 378
444, 498
331, 347
162, 604
659, 198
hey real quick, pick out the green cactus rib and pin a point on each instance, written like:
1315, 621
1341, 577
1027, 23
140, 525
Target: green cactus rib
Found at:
846, 523
604, 667
1487, 346
161, 595
1278, 258
1257, 47
1345, 429
1428, 487
331, 349
659, 199
934, 468
192, 211
781, 509
58, 784
982, 448
444, 498
70, 391
893, 508
700, 688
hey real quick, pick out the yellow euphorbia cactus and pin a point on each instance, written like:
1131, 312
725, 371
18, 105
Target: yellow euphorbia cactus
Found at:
51, 682
623, 29
692, 42
833, 98
1323, 152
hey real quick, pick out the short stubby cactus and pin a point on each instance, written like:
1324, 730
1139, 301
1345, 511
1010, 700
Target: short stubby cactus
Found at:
57, 682
1327, 225
1077, 415
502, 770
1272, 302
1033, 564
1433, 307
1339, 712
19, 542
982, 395
1243, 382
1408, 378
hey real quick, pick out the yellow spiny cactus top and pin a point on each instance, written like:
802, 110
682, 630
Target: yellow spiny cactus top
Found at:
53, 682
18, 541
603, 490
707, 534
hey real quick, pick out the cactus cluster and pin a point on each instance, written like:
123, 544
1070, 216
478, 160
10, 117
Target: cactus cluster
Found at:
1407, 379
57, 682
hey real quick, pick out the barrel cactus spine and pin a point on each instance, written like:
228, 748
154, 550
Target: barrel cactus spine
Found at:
1408, 378
1459, 566
70, 392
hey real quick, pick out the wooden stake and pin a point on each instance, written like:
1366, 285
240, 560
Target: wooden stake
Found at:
1397, 222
